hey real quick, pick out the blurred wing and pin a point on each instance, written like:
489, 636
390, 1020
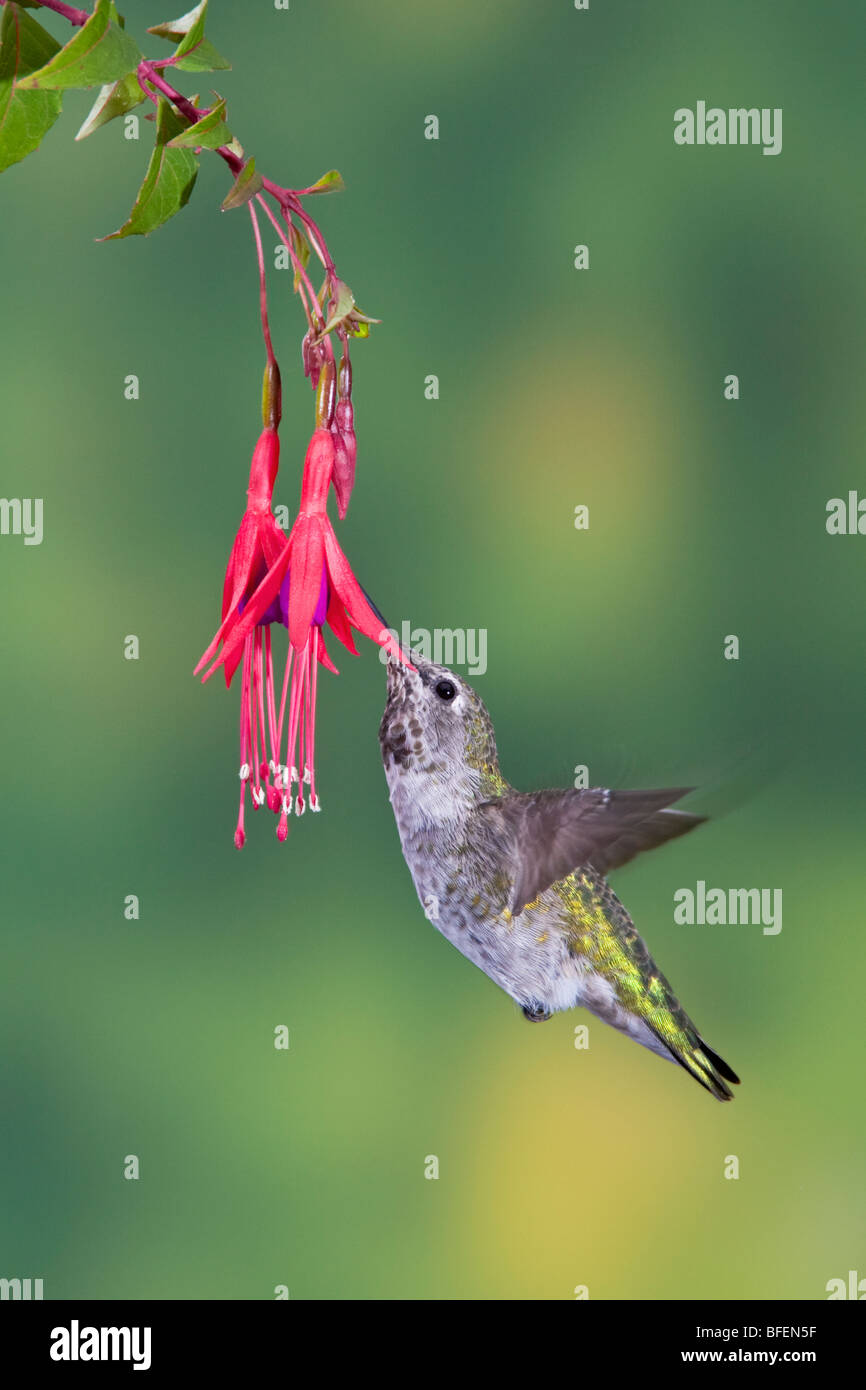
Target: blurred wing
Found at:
552, 833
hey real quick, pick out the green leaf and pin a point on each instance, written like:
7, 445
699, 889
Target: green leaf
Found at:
344, 303
168, 182
359, 318
247, 184
208, 133
205, 58
346, 313
332, 182
115, 99
194, 53
24, 116
177, 29
99, 53
300, 244
301, 248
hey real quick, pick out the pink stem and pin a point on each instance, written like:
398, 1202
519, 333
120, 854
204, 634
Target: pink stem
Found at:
312, 312
76, 17
263, 289
316, 240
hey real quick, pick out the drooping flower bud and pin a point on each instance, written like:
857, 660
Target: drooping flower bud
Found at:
345, 451
345, 444
311, 354
345, 378
272, 396
326, 394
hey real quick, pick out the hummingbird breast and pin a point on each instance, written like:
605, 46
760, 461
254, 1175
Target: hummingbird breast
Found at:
465, 896
538, 957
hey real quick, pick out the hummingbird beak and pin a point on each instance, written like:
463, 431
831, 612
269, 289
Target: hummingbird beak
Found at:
396, 674
403, 678
416, 661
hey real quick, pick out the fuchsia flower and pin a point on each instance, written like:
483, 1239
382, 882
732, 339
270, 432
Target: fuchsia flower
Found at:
257, 544
304, 582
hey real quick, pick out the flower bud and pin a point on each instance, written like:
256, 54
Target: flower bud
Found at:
312, 359
345, 453
272, 397
345, 379
325, 394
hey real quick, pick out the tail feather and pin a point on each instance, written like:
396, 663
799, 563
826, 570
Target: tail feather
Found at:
705, 1065
720, 1064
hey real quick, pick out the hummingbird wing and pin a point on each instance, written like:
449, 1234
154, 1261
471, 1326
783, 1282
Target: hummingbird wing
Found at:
547, 835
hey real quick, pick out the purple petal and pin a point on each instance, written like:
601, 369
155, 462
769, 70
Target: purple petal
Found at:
321, 611
271, 614
284, 598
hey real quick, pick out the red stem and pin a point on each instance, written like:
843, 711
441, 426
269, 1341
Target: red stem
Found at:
315, 238
315, 309
76, 17
263, 289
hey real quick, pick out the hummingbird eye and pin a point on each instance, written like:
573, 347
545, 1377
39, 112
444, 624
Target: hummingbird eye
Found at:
446, 690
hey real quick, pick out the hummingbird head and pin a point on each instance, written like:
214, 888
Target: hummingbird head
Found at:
437, 741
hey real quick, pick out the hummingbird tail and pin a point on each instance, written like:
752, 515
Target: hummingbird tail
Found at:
705, 1065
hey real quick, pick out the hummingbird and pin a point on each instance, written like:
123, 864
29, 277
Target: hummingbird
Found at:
517, 881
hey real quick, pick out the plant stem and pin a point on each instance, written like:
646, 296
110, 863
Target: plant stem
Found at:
313, 310
76, 17
263, 290
316, 240
288, 199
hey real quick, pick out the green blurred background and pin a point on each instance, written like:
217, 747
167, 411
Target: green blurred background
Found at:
558, 1167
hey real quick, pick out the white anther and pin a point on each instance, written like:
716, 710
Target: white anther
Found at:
274, 767
258, 796
244, 772
287, 806
307, 776
314, 804
300, 806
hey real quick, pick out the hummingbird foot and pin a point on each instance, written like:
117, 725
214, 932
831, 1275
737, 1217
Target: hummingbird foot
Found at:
536, 1014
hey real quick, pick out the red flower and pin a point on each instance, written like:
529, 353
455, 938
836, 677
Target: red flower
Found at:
309, 582
257, 545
